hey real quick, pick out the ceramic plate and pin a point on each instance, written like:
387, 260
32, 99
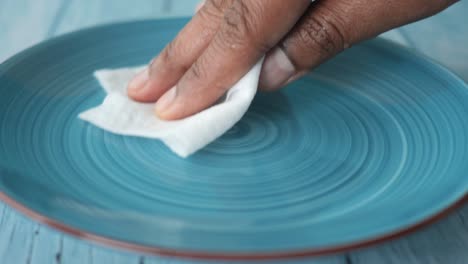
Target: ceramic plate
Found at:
366, 147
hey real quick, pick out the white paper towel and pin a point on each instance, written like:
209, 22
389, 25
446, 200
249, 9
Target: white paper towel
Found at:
121, 115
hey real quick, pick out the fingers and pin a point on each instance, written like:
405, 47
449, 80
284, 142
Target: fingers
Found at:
317, 36
167, 68
249, 29
330, 26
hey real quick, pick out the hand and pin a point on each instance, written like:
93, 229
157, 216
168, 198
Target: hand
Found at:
227, 37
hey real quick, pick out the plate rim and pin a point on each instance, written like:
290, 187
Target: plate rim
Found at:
205, 255
287, 254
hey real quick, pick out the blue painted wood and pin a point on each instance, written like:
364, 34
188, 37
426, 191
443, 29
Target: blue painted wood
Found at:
25, 22
75, 251
443, 37
396, 36
87, 13
45, 245
17, 237
444, 242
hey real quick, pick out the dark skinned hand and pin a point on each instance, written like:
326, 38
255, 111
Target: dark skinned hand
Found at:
227, 37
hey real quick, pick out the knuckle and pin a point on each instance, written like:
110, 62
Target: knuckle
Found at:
168, 53
198, 70
214, 9
239, 29
217, 5
168, 58
433, 7
321, 33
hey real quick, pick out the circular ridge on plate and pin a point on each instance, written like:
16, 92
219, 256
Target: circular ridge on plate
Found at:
366, 146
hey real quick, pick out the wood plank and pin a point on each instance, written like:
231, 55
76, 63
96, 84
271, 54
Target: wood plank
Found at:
321, 260
88, 13
45, 247
443, 37
112, 256
395, 35
74, 252
177, 9
16, 237
444, 242
24, 23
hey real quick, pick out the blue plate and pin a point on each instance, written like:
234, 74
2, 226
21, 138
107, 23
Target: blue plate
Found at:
367, 146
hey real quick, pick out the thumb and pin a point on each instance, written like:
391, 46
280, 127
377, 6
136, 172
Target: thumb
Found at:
330, 26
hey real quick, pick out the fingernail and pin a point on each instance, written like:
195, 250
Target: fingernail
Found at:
295, 77
276, 70
164, 103
139, 81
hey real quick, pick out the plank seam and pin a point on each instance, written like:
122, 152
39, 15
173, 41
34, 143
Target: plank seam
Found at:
58, 256
59, 15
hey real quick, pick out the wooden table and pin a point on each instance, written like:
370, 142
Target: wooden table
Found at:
26, 22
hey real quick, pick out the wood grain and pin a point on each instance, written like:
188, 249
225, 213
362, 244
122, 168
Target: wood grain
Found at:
26, 22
